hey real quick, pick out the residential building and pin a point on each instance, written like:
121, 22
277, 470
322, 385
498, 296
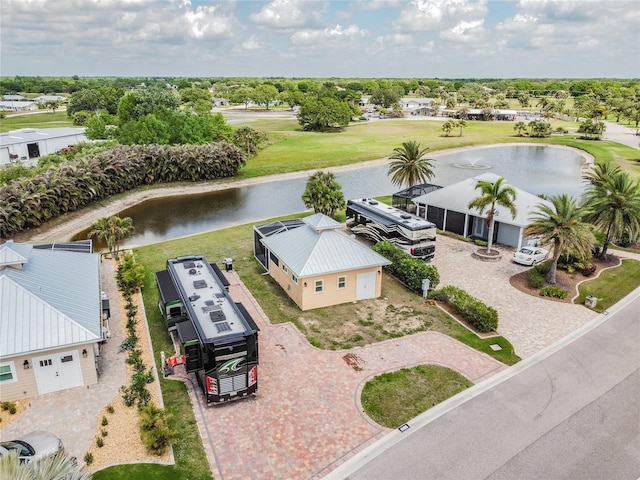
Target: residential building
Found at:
316, 263
51, 320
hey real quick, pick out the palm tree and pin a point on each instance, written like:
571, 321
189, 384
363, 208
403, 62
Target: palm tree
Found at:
612, 203
461, 124
60, 466
112, 231
447, 127
494, 194
323, 193
409, 165
563, 224
520, 128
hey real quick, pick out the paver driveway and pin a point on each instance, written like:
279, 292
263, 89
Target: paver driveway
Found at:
307, 418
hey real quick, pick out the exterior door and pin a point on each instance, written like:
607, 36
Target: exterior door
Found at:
366, 287
57, 371
478, 227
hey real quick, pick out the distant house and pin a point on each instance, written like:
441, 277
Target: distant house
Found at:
417, 103
448, 209
28, 144
50, 319
316, 264
14, 98
50, 98
18, 106
221, 102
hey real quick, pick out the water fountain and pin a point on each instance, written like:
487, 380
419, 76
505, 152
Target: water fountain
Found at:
472, 164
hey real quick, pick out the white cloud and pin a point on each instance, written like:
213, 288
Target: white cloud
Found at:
334, 34
432, 15
286, 14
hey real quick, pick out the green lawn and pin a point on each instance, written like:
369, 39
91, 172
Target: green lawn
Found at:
291, 149
44, 119
612, 285
394, 398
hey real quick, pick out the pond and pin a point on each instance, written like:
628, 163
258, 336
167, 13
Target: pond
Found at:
537, 169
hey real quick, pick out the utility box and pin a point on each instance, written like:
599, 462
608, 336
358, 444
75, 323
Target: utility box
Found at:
228, 264
425, 287
591, 301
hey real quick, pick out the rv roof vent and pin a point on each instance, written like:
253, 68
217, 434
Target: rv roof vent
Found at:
199, 284
372, 202
194, 297
188, 265
192, 271
209, 302
405, 215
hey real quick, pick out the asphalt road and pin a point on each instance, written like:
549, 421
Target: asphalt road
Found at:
570, 412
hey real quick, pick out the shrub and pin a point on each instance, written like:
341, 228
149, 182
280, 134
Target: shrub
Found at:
103, 432
12, 410
110, 409
88, 458
104, 422
155, 431
479, 315
480, 243
553, 291
535, 279
99, 442
544, 268
6, 406
411, 271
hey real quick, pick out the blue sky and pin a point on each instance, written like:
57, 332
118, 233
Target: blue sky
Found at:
308, 38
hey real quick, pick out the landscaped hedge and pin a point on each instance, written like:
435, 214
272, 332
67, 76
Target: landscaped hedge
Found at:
29, 202
411, 271
480, 316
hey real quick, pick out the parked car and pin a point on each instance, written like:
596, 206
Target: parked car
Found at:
530, 255
363, 117
33, 445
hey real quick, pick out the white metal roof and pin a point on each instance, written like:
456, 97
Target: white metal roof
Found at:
52, 301
319, 222
307, 252
456, 197
33, 135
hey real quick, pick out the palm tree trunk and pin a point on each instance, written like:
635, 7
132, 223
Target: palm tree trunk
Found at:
490, 238
551, 276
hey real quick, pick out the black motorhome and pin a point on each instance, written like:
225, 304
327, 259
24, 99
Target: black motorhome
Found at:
378, 221
218, 337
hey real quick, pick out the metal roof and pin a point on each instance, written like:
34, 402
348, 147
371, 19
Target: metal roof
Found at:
33, 135
456, 197
52, 301
307, 252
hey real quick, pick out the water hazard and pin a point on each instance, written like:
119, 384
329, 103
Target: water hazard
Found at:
536, 169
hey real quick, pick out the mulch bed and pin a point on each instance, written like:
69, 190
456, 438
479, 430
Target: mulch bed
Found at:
564, 279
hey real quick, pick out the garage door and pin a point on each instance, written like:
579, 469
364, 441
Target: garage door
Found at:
366, 287
57, 371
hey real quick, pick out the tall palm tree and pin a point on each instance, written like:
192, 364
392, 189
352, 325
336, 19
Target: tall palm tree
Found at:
409, 165
493, 194
563, 224
612, 203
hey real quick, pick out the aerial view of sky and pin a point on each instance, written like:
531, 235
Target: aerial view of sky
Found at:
309, 38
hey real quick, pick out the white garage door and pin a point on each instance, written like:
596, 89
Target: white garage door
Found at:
366, 287
57, 371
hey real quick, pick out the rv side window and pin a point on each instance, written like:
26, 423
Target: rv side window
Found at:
174, 311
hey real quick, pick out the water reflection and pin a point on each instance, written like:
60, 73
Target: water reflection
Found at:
536, 169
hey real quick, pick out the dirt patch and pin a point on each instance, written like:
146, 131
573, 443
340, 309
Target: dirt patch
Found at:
564, 279
354, 361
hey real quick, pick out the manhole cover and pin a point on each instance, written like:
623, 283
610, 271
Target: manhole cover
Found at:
495, 347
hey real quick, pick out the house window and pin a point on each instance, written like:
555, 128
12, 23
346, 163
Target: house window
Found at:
319, 286
274, 259
342, 283
294, 277
284, 268
7, 372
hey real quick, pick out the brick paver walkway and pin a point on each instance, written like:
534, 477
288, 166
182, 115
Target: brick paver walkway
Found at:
306, 418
